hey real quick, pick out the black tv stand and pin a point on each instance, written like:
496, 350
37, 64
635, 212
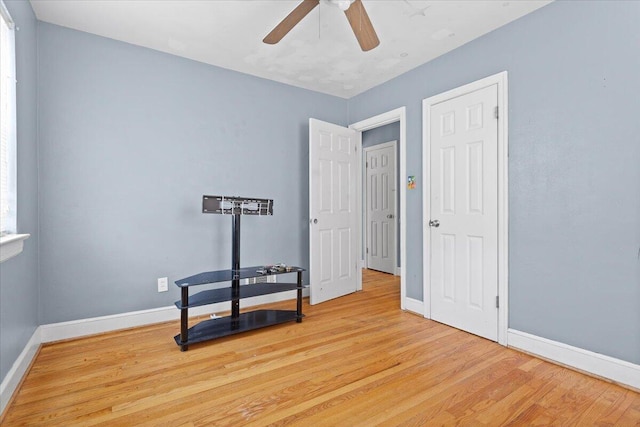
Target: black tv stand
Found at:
237, 322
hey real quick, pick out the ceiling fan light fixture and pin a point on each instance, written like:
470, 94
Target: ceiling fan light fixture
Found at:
356, 15
343, 4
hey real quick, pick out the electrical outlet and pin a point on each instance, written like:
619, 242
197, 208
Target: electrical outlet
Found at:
163, 284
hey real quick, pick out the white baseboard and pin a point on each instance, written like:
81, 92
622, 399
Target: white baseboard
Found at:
414, 306
96, 325
20, 366
362, 265
608, 367
603, 366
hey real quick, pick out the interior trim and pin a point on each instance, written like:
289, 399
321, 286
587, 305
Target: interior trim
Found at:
20, 367
11, 245
414, 306
96, 325
606, 367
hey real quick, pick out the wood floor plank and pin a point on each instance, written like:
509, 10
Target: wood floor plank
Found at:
613, 401
631, 417
411, 366
356, 360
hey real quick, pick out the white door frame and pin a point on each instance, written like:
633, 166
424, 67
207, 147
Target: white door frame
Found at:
500, 80
394, 145
399, 114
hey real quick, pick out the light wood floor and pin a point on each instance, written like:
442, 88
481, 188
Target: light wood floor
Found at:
357, 360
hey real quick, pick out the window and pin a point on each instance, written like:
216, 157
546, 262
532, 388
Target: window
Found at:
11, 244
7, 124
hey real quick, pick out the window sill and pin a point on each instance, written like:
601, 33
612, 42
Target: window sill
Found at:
11, 245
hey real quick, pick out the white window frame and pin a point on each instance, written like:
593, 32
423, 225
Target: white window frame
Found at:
11, 243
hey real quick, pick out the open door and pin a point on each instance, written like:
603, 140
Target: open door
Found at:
333, 228
380, 209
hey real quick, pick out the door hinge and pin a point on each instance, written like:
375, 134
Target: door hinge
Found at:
496, 112
367, 250
367, 164
498, 301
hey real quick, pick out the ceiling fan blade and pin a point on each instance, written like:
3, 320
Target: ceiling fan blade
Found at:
290, 21
361, 25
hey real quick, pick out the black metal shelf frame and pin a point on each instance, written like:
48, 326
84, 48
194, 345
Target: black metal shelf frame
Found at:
235, 323
225, 294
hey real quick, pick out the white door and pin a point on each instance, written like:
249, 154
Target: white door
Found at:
464, 212
333, 165
381, 207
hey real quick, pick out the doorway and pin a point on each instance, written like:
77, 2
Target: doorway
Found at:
397, 115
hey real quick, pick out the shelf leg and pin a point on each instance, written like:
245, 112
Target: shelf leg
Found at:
235, 267
184, 320
299, 302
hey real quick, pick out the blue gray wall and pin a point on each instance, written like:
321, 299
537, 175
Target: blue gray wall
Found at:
574, 179
382, 134
130, 140
19, 275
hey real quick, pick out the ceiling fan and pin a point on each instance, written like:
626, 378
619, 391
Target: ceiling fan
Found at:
353, 9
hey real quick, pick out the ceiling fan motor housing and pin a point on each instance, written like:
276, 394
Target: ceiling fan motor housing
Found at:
342, 4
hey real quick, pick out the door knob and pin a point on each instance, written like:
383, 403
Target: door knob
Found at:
390, 216
434, 223
314, 220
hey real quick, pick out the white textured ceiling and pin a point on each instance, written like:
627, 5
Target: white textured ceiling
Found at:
320, 53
